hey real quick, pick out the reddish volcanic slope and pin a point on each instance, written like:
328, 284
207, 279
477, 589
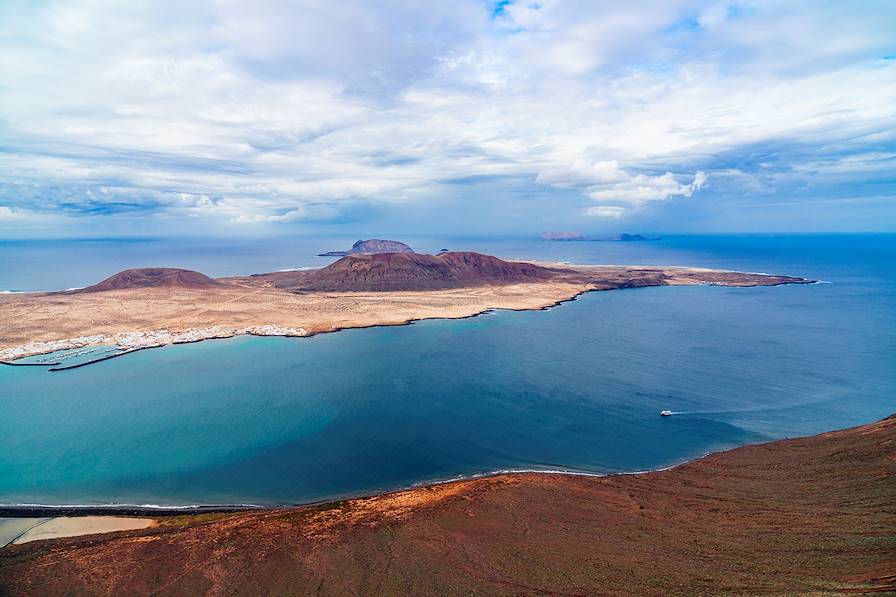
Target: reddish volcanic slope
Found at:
153, 277
413, 271
808, 516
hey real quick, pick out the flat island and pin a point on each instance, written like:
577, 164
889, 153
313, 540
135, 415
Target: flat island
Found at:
149, 307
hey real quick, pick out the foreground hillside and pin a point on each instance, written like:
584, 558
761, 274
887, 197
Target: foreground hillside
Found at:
807, 516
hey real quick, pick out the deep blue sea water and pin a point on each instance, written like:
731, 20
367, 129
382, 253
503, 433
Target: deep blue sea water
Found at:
577, 387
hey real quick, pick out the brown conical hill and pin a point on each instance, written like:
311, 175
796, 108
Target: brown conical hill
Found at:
415, 271
153, 277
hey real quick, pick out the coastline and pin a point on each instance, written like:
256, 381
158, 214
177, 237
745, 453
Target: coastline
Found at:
480, 301
554, 295
717, 524
128, 342
16, 510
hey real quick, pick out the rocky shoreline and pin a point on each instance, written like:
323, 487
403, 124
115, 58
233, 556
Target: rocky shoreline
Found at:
131, 341
281, 303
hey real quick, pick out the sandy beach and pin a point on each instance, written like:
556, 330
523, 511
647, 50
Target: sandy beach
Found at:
17, 531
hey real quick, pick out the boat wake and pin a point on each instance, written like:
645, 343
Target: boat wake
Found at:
707, 412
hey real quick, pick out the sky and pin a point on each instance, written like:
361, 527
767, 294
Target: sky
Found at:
280, 117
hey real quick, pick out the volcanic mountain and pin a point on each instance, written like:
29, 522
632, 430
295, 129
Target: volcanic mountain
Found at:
415, 271
376, 245
373, 245
153, 277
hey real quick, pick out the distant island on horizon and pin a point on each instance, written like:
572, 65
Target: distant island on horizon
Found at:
578, 236
371, 246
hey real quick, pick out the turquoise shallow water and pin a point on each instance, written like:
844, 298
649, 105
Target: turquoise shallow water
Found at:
578, 387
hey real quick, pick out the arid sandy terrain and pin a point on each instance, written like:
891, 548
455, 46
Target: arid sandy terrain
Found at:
42, 322
809, 516
39, 529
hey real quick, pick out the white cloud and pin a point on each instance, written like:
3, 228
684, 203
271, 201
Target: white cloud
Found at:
580, 172
605, 180
265, 113
17, 215
17, 219
642, 188
605, 211
7, 213
304, 213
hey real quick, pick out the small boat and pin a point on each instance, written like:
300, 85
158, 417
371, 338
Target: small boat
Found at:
665, 413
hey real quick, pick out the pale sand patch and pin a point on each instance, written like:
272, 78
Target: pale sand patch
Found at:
73, 526
92, 319
11, 528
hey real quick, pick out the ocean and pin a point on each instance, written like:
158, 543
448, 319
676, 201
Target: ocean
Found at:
578, 387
